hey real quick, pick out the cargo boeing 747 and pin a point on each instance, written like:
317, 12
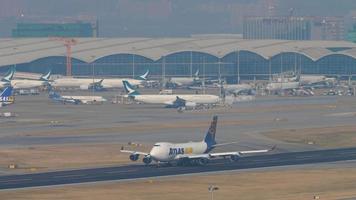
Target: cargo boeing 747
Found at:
191, 153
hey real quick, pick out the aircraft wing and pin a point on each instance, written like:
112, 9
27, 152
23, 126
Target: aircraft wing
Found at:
169, 103
134, 152
223, 154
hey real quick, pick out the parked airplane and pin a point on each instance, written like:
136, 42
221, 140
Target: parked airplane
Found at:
316, 81
6, 97
237, 89
75, 99
87, 83
6, 80
277, 86
184, 81
27, 83
170, 99
190, 153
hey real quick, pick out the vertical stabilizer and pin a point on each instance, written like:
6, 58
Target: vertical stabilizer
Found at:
9, 75
144, 76
210, 135
46, 76
129, 89
196, 75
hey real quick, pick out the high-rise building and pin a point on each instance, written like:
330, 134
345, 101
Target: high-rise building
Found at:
278, 27
351, 35
294, 28
328, 28
78, 29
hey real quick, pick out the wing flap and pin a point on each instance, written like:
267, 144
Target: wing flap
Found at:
134, 152
258, 151
223, 154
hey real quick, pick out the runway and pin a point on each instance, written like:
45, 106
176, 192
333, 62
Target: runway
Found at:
140, 171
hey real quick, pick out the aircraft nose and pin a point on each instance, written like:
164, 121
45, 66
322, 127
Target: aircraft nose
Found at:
155, 154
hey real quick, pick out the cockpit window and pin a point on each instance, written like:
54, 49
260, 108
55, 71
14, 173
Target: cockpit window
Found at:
156, 145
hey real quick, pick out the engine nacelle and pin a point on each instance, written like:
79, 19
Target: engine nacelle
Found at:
134, 157
147, 160
234, 158
203, 161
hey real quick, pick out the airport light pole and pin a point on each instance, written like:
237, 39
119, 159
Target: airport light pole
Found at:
211, 189
191, 63
93, 74
238, 66
163, 71
133, 66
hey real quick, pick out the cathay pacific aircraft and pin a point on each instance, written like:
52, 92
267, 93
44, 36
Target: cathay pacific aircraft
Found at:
190, 100
191, 153
27, 83
185, 81
75, 99
87, 83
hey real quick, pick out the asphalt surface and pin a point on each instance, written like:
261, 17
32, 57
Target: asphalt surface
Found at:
141, 171
42, 122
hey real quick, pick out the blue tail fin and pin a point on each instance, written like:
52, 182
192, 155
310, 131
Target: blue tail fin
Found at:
9, 75
144, 76
210, 135
129, 89
196, 75
6, 96
6, 92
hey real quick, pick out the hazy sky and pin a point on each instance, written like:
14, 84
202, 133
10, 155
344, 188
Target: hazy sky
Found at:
162, 17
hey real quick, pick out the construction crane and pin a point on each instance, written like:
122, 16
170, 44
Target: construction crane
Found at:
68, 43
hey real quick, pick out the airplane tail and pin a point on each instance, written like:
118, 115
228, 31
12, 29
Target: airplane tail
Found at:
144, 76
6, 96
9, 75
46, 76
129, 89
196, 75
7, 92
210, 135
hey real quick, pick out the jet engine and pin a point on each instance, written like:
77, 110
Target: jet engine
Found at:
134, 157
147, 160
203, 161
234, 158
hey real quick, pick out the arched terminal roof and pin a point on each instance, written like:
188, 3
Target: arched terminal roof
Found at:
15, 51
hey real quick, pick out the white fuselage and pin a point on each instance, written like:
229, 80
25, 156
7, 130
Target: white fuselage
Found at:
118, 83
86, 99
165, 152
313, 79
282, 86
86, 82
170, 98
236, 88
180, 81
26, 84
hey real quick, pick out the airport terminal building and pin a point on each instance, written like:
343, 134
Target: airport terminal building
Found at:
226, 56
